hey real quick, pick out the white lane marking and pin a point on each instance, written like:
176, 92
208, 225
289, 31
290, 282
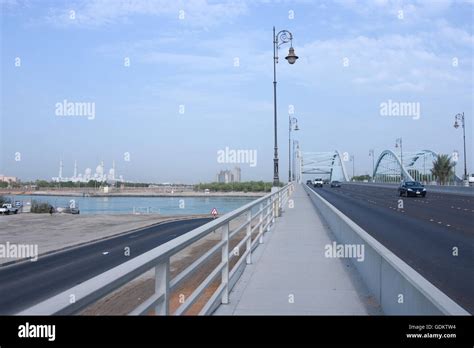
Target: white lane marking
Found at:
439, 222
431, 220
448, 225
105, 253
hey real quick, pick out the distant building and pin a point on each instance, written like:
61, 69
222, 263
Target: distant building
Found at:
100, 174
9, 179
237, 174
228, 176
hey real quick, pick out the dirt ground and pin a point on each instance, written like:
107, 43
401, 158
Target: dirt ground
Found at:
128, 297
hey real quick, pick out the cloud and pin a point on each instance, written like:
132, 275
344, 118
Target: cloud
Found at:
412, 12
202, 13
391, 62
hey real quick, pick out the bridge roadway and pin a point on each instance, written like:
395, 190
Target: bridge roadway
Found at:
290, 274
422, 233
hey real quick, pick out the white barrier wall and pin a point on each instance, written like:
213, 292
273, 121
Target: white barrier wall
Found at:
399, 289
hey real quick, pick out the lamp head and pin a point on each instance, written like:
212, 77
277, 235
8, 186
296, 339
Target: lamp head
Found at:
291, 57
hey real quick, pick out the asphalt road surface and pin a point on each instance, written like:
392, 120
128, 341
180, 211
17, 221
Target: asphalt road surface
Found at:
422, 233
27, 283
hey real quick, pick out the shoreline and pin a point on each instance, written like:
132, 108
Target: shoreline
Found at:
132, 194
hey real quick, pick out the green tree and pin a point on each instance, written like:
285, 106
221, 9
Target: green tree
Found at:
42, 183
443, 168
40, 207
361, 177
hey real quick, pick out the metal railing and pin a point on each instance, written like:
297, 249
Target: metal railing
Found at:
259, 217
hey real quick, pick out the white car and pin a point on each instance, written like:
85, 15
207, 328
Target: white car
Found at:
318, 182
7, 209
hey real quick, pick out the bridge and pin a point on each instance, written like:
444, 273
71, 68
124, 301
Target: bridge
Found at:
357, 249
388, 168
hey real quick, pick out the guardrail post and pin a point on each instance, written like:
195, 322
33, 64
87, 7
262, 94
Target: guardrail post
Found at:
260, 221
282, 201
274, 208
249, 237
162, 275
225, 258
280, 198
269, 204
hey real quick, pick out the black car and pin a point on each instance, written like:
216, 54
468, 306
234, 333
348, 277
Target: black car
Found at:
335, 183
308, 182
412, 188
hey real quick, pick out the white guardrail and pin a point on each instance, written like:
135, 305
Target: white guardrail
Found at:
259, 218
398, 288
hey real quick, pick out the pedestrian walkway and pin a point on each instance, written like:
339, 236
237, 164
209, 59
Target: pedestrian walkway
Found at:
291, 276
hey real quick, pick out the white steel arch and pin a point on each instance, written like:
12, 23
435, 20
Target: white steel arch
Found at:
329, 163
416, 166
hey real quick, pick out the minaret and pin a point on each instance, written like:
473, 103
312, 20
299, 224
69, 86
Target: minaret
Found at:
113, 170
60, 170
75, 169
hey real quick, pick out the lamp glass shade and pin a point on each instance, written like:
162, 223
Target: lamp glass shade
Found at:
291, 57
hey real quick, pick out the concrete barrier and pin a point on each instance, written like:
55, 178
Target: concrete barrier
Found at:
459, 190
399, 289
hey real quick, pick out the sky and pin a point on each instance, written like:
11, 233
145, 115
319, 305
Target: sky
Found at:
170, 84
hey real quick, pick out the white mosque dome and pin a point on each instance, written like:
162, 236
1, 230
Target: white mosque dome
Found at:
99, 170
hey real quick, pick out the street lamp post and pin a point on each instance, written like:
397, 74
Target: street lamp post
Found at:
291, 121
353, 167
399, 143
297, 170
293, 159
460, 117
455, 155
371, 153
294, 168
283, 36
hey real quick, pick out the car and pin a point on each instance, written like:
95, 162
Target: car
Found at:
308, 182
335, 183
318, 182
8, 209
412, 188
